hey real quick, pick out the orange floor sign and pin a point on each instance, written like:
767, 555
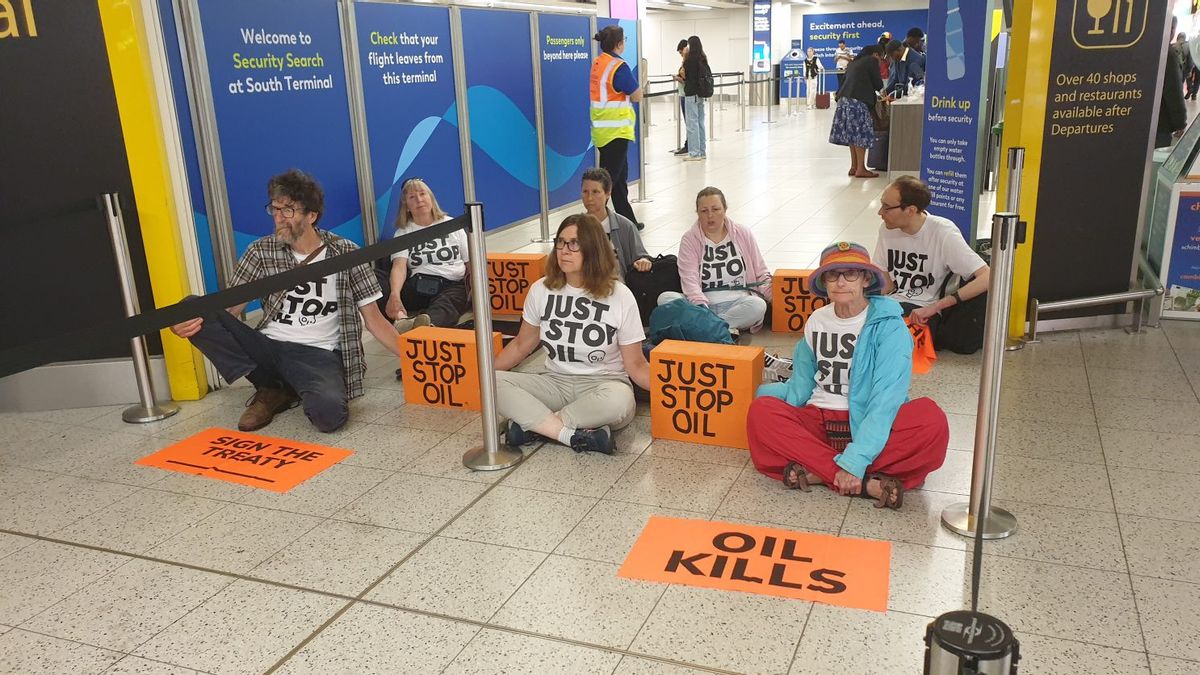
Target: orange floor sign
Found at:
276, 464
800, 565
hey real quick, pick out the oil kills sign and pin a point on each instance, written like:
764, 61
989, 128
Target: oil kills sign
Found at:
799, 565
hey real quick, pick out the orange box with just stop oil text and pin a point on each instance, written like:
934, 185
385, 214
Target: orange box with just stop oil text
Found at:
701, 392
509, 277
440, 367
792, 301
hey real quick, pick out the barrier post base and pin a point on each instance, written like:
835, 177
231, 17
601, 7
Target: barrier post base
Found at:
140, 414
1014, 344
479, 460
958, 519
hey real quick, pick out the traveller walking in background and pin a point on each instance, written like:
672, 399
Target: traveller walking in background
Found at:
853, 121
813, 70
695, 70
841, 60
682, 49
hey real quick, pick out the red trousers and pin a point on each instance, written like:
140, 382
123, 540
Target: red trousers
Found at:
780, 433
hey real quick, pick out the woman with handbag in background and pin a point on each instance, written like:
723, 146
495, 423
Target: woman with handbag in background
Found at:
428, 281
854, 121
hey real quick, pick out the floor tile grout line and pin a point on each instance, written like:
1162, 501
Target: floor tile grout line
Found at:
370, 587
1194, 385
1112, 495
800, 639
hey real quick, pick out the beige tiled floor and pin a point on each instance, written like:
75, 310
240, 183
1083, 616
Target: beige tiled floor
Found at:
399, 560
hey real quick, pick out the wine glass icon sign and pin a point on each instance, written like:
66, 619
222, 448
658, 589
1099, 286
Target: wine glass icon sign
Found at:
1098, 9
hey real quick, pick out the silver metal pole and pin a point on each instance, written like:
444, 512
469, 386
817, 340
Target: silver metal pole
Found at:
768, 91
491, 456
642, 128
208, 145
148, 410
679, 119
742, 96
358, 123
994, 523
1016, 163
460, 96
711, 118
540, 121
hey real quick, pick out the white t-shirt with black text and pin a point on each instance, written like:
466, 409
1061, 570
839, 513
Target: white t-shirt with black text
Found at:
309, 313
833, 339
445, 257
583, 335
722, 266
919, 263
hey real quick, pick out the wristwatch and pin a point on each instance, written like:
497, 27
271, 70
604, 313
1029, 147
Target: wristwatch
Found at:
957, 300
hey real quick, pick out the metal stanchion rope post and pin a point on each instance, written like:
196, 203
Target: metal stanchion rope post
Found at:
1016, 162
492, 456
964, 518
148, 410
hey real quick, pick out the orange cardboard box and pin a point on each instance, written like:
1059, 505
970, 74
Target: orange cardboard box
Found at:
701, 392
509, 277
792, 302
440, 367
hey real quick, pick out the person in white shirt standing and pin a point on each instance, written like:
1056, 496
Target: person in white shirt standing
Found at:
920, 252
428, 281
841, 60
589, 325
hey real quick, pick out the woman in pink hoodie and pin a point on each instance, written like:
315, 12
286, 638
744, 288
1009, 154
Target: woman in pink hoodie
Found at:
721, 267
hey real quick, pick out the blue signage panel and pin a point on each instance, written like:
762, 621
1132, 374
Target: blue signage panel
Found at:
183, 116
633, 59
407, 65
566, 61
501, 106
760, 47
954, 103
1183, 271
858, 29
278, 83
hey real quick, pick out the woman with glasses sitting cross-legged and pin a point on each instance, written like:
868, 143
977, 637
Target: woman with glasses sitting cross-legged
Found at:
844, 418
588, 321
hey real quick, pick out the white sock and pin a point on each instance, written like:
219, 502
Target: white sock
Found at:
565, 435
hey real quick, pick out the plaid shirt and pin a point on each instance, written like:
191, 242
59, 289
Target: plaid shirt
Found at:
269, 256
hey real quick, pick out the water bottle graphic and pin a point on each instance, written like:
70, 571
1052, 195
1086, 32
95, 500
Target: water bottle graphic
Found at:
956, 59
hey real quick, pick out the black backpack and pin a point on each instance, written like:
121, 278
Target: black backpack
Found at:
960, 329
647, 286
706, 86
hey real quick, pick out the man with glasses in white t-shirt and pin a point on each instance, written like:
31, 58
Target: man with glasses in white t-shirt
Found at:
920, 252
307, 348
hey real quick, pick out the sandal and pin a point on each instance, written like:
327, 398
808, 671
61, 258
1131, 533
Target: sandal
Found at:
795, 477
891, 492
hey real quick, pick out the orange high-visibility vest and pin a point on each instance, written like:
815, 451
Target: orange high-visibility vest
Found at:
612, 113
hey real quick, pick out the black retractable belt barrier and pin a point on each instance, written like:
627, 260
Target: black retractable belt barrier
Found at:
57, 348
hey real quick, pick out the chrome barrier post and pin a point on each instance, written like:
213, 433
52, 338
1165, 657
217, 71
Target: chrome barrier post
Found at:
995, 523
711, 119
540, 119
742, 96
492, 456
641, 198
148, 410
1016, 162
768, 97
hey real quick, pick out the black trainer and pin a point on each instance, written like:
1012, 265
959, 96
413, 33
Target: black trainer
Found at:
515, 436
593, 440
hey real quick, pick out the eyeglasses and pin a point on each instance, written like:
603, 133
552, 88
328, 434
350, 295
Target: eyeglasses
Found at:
884, 207
569, 244
285, 211
850, 275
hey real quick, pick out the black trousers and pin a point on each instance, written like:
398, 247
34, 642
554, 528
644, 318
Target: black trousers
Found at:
444, 308
614, 158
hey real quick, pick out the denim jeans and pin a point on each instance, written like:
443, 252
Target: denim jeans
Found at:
697, 144
237, 350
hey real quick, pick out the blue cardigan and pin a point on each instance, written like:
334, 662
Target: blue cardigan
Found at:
879, 379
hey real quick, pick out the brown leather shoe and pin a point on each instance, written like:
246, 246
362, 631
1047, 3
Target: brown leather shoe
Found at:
266, 403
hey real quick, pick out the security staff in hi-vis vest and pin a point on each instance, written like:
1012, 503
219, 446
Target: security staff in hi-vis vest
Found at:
614, 90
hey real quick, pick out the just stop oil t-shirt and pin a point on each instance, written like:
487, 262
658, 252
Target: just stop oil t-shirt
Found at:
582, 334
833, 339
